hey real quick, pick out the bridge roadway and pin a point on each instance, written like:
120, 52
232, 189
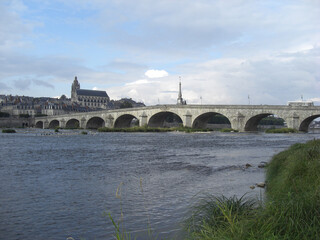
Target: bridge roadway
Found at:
242, 117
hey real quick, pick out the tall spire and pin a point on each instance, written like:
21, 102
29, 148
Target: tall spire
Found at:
180, 92
180, 100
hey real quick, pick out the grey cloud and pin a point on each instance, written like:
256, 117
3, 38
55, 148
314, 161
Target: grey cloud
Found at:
11, 35
60, 69
119, 64
267, 80
22, 84
125, 68
169, 91
4, 86
43, 83
189, 27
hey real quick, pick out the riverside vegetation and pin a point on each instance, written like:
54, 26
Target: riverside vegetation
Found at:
158, 129
281, 130
8, 131
290, 211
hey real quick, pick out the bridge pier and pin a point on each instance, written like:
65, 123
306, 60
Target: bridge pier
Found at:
293, 121
188, 120
62, 123
143, 121
45, 124
109, 122
237, 122
83, 123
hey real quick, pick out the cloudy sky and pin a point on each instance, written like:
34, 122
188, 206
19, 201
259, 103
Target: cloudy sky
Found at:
224, 50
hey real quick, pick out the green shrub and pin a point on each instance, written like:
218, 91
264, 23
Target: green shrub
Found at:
271, 121
8, 131
40, 115
281, 130
21, 115
4, 114
84, 132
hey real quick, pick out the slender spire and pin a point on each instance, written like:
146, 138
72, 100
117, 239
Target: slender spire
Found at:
180, 100
180, 92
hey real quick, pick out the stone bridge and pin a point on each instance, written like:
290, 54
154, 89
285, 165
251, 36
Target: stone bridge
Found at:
241, 117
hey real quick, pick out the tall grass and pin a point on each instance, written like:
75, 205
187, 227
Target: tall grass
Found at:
218, 217
120, 232
291, 210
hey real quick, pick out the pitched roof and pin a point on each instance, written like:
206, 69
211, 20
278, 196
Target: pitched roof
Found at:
94, 93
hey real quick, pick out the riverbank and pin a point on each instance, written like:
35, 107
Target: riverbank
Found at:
291, 209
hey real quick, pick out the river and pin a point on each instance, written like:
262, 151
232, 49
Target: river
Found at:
59, 185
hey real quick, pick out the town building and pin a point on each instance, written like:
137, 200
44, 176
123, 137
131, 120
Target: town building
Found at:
89, 98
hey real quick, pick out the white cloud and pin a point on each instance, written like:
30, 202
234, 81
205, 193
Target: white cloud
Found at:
268, 80
138, 82
156, 73
224, 50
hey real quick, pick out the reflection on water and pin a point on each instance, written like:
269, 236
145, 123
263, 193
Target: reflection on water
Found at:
58, 185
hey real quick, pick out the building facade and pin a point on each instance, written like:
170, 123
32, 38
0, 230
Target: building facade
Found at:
88, 98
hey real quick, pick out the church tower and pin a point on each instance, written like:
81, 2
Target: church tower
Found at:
75, 86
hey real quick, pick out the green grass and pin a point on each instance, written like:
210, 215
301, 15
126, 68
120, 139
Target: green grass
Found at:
211, 216
291, 210
281, 130
8, 131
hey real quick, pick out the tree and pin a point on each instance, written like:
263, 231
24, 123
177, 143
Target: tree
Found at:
4, 114
126, 104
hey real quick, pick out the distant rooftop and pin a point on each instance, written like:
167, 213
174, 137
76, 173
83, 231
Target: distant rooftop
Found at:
93, 93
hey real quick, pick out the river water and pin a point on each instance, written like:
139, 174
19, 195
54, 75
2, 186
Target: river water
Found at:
59, 185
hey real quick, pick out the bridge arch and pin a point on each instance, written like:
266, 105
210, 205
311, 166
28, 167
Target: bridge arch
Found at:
54, 124
202, 120
165, 119
73, 123
126, 121
253, 122
95, 123
39, 124
304, 125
